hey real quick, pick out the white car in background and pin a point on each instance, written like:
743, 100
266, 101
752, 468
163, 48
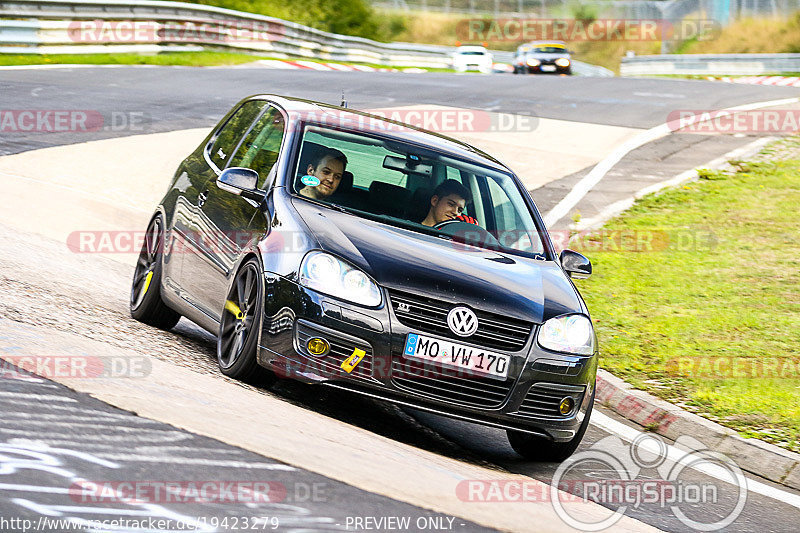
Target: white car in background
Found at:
468, 58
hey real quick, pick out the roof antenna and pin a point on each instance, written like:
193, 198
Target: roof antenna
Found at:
344, 102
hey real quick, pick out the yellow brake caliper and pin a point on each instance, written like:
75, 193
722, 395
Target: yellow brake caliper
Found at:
234, 310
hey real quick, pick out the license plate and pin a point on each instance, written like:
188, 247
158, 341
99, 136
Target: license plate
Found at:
459, 356
548, 68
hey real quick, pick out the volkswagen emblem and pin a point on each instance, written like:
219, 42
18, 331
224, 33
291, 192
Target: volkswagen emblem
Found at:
462, 321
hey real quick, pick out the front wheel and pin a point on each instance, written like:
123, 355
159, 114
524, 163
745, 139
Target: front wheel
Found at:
542, 450
146, 304
237, 342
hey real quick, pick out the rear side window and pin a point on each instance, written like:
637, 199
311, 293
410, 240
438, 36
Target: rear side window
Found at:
261, 146
228, 137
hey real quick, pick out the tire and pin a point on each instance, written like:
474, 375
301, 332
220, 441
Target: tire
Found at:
146, 304
242, 316
542, 450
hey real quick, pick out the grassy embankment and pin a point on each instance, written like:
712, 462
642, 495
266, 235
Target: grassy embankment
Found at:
708, 317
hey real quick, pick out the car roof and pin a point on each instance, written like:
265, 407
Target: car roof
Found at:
540, 43
471, 48
399, 131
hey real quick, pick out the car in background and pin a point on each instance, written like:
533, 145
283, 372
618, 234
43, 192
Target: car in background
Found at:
477, 58
298, 233
543, 57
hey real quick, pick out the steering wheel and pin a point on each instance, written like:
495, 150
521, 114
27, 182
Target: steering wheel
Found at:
450, 222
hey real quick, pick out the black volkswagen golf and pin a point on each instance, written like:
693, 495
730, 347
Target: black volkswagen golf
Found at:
339, 248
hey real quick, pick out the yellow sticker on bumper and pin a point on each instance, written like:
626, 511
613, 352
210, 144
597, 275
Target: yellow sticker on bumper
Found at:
351, 362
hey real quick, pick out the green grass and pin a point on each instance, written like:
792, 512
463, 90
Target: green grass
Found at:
719, 283
189, 59
192, 59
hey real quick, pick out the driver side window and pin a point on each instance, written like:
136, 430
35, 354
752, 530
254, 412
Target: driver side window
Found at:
261, 146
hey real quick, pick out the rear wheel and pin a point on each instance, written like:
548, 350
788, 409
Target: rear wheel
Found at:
146, 304
237, 342
543, 450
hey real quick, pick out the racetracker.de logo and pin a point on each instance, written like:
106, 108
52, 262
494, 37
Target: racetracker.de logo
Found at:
439, 120
573, 30
70, 121
75, 366
190, 492
733, 121
199, 31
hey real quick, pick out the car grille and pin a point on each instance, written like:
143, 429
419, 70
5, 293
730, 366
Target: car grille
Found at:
543, 399
432, 382
340, 350
430, 315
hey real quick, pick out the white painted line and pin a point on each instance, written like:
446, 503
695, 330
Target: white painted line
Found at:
277, 64
43, 435
195, 461
34, 488
623, 205
101, 417
630, 434
45, 397
594, 176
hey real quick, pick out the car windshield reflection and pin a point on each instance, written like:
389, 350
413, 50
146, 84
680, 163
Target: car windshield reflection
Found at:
417, 189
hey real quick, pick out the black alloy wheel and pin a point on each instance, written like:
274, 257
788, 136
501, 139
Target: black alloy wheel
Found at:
146, 304
237, 342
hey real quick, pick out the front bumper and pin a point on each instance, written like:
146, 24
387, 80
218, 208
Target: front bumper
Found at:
536, 377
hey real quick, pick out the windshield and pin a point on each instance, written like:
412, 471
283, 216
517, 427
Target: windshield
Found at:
552, 49
417, 189
472, 53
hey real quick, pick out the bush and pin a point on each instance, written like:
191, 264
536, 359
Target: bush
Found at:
347, 17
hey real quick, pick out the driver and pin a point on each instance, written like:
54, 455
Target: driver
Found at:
447, 203
328, 167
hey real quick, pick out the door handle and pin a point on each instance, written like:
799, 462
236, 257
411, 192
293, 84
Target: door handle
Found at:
201, 199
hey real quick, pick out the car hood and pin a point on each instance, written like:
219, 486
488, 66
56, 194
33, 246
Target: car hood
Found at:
397, 258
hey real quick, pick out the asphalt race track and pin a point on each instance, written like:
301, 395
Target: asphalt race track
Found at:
55, 438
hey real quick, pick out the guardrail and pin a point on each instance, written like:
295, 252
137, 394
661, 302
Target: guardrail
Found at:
103, 26
710, 64
68, 23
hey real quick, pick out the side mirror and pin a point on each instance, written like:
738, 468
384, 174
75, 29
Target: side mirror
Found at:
575, 265
241, 182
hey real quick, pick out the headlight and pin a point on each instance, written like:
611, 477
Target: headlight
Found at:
562, 62
570, 334
325, 273
533, 62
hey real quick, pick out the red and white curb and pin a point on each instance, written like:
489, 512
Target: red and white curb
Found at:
763, 459
778, 81
313, 65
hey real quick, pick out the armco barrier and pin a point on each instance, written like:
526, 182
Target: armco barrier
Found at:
710, 64
53, 31
280, 38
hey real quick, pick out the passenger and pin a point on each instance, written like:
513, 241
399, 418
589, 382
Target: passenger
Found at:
448, 202
328, 167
